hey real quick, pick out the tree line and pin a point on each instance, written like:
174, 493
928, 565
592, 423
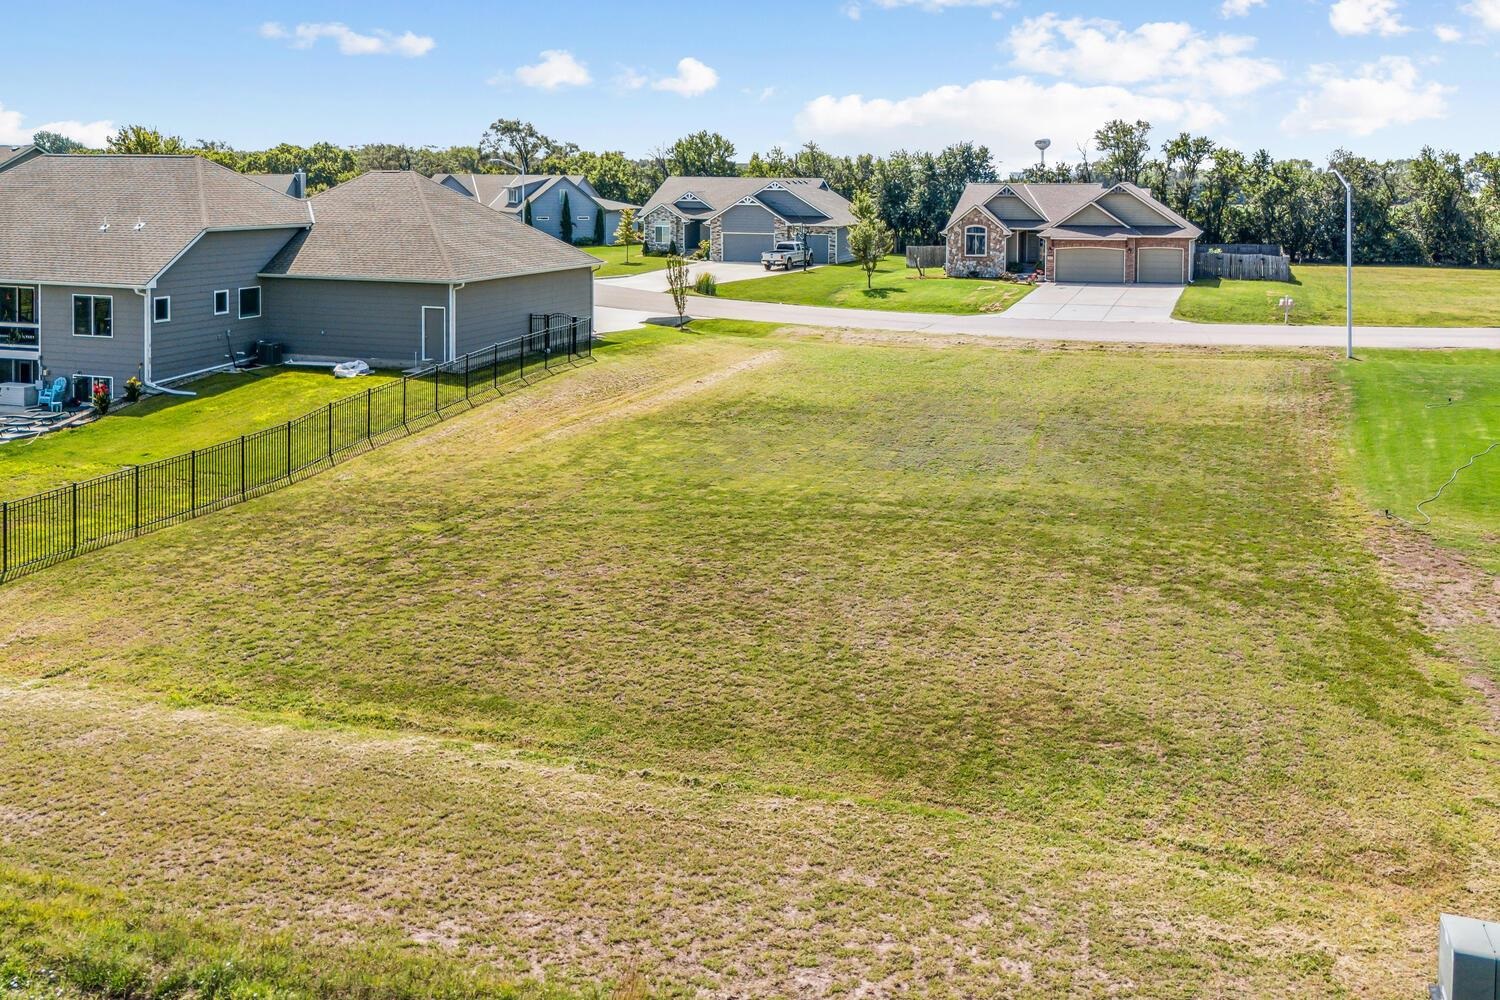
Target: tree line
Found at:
1434, 208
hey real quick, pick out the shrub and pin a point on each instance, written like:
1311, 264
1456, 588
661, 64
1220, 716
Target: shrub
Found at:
672, 248
706, 284
101, 398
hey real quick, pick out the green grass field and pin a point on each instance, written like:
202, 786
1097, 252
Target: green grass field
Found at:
615, 265
225, 407
895, 287
1421, 415
1383, 296
766, 663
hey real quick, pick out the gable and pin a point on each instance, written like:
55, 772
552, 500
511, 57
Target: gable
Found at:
787, 205
1091, 215
1132, 211
1009, 207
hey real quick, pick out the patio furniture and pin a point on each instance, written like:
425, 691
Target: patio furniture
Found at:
53, 396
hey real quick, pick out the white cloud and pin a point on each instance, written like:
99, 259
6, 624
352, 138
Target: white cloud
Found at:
1007, 115
1093, 50
15, 132
852, 9
1447, 33
1387, 92
1365, 17
693, 79
1487, 11
557, 69
629, 79
349, 41
1238, 8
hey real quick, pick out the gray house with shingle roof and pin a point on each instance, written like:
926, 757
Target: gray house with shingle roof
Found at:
160, 267
742, 217
594, 216
1095, 233
12, 155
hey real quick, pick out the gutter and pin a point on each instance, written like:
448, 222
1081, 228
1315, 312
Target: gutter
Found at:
453, 319
145, 294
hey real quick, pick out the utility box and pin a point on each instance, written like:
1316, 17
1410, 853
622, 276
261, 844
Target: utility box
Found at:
1468, 959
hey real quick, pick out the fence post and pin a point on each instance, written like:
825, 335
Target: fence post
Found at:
330, 433
495, 369
572, 336
546, 340
368, 393
193, 482
466, 376
75, 515
403, 401
4, 537
524, 337
437, 406
137, 477
288, 449
242, 468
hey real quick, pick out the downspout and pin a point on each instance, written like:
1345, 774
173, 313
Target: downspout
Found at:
145, 294
453, 320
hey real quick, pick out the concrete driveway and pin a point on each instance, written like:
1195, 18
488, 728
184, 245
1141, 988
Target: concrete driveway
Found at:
656, 281
1098, 303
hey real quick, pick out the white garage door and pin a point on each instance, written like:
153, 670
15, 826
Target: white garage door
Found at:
747, 246
1158, 266
1092, 264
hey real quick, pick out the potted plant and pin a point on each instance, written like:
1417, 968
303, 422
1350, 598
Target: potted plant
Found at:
101, 398
133, 389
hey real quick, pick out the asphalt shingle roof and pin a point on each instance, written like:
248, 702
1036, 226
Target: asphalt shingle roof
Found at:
395, 225
53, 210
719, 193
1059, 201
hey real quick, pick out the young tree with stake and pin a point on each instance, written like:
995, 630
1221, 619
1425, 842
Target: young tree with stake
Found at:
870, 239
677, 282
625, 232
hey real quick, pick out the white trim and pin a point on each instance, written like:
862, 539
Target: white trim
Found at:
1120, 189
422, 330
1182, 266
1059, 251
224, 292
92, 379
161, 298
984, 234
73, 319
240, 302
1093, 204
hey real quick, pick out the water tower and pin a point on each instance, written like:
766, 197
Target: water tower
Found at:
1041, 145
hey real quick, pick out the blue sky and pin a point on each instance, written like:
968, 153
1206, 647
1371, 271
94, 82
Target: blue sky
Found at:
1300, 77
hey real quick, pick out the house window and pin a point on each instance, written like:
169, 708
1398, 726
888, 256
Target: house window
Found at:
161, 309
221, 302
93, 316
16, 370
544, 218
583, 218
663, 233
18, 314
83, 386
976, 241
513, 196
250, 302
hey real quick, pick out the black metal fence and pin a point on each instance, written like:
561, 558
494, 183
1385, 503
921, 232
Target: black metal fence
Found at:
49, 527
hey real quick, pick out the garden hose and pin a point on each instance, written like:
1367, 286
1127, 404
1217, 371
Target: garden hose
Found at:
1426, 517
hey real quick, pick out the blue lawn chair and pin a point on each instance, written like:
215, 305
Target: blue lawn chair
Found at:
53, 397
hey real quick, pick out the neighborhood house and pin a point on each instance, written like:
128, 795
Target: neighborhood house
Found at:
553, 198
163, 267
743, 217
1104, 234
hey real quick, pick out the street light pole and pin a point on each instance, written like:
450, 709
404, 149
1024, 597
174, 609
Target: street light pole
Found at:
1348, 263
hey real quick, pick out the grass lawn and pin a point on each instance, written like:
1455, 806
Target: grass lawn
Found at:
1408, 438
896, 287
615, 265
762, 662
225, 406
1383, 296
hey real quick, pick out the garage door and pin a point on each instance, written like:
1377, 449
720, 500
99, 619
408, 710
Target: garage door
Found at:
1096, 265
1158, 266
747, 246
821, 252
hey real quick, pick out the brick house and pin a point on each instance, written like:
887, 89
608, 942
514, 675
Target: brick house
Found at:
1096, 233
742, 217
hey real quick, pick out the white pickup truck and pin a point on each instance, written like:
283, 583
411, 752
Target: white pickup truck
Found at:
788, 255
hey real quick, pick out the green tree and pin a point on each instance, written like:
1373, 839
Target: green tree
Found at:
140, 139
52, 142
1123, 148
517, 142
565, 226
1184, 157
703, 154
625, 232
870, 238
1440, 214
598, 226
677, 284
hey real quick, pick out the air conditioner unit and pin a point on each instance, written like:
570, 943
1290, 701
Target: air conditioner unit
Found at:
1468, 959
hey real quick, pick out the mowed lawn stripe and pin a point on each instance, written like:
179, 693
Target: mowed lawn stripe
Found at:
893, 286
1106, 601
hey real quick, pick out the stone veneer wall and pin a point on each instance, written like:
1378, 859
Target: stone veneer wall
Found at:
992, 264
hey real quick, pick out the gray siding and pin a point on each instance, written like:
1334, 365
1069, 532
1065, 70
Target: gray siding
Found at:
784, 204
453, 182
492, 311
845, 254
373, 320
194, 338
1132, 211
580, 204
118, 357
611, 223
748, 219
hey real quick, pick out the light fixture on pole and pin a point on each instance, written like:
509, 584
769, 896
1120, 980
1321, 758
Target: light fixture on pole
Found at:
1041, 146
1348, 264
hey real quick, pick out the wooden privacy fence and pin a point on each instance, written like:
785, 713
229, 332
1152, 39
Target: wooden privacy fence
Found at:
926, 256
46, 528
1243, 266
